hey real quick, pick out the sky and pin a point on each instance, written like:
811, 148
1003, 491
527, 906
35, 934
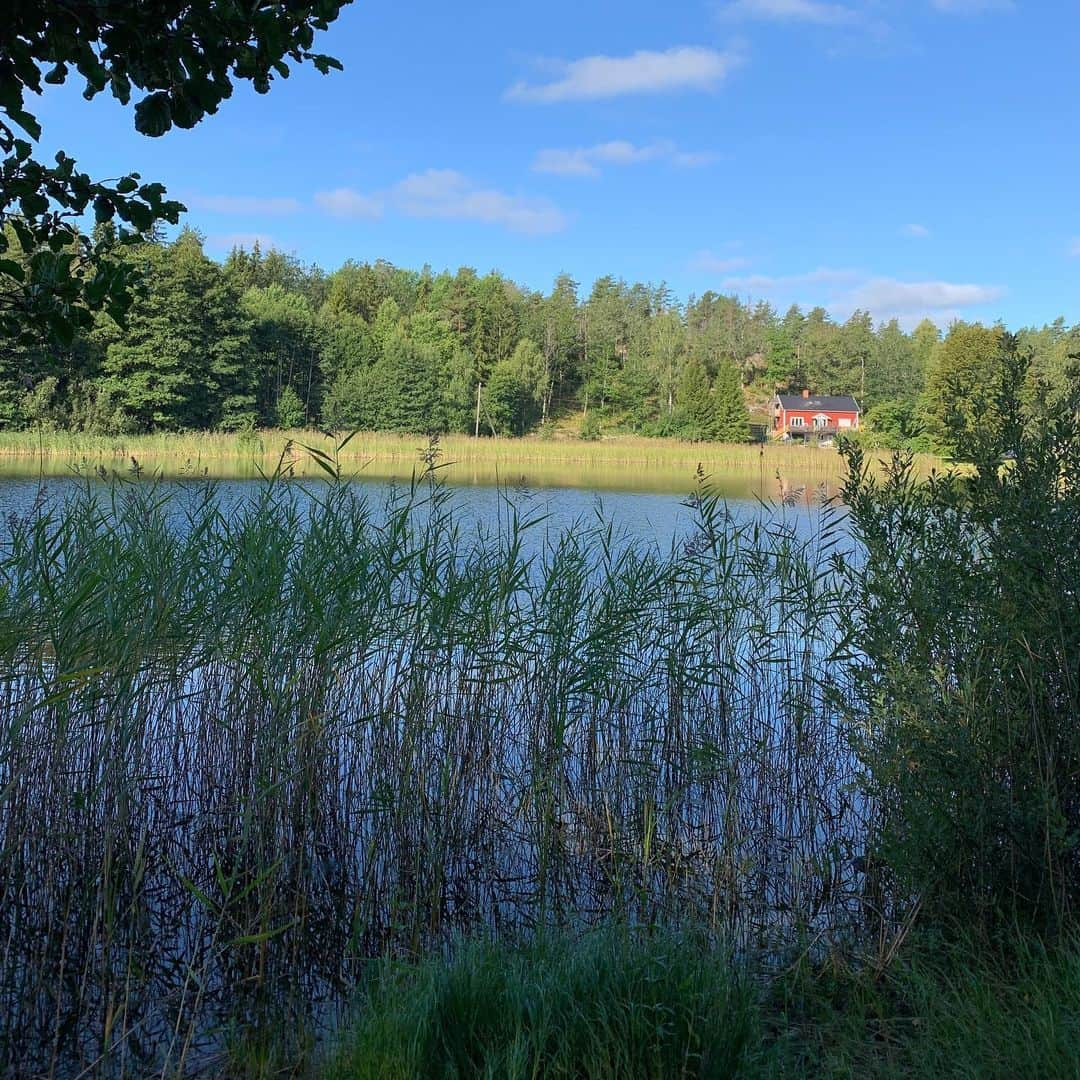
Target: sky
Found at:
907, 157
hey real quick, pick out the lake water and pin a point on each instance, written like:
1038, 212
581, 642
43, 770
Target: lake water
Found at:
659, 518
228, 785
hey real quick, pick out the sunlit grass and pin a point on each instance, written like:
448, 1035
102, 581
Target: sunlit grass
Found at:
624, 461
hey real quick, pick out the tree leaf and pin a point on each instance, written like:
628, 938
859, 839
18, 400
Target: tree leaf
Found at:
153, 115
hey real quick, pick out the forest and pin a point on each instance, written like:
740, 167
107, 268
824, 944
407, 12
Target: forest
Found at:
263, 340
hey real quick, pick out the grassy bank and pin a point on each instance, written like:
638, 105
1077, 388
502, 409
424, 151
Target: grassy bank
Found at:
616, 1004
629, 462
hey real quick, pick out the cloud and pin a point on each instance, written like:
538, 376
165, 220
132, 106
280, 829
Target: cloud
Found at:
247, 240
344, 202
451, 196
823, 275
842, 292
586, 161
241, 204
972, 7
444, 193
813, 11
593, 78
916, 231
893, 297
705, 262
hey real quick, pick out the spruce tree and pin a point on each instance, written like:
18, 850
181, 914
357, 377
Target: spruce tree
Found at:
694, 403
732, 420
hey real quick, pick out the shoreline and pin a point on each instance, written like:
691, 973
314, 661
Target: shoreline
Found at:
628, 463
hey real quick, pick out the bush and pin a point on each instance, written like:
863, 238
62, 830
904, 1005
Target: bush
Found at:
966, 615
591, 428
289, 412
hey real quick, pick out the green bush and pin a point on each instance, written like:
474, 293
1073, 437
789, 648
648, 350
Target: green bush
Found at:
591, 428
289, 412
965, 616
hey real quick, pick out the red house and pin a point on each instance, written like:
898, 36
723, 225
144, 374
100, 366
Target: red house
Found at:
807, 416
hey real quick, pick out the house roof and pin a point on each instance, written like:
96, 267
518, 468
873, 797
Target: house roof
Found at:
828, 404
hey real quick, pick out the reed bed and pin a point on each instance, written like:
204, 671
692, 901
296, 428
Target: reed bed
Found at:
616, 461
245, 748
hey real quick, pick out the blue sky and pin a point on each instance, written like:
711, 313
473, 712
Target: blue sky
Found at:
909, 157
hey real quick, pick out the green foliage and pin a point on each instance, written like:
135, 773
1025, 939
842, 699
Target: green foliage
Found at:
941, 1009
494, 1010
343, 679
347, 343
963, 388
613, 1004
184, 58
966, 613
506, 400
894, 424
183, 360
717, 413
695, 404
732, 420
289, 412
285, 343
591, 429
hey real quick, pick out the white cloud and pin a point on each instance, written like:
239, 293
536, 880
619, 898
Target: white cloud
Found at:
916, 231
706, 262
586, 161
228, 241
814, 11
444, 193
344, 202
449, 195
593, 78
241, 204
763, 283
972, 7
842, 292
893, 297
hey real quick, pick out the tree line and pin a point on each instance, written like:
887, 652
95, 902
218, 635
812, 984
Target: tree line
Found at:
263, 340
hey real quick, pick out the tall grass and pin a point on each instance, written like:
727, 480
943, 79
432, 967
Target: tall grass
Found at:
622, 461
615, 1003
245, 747
606, 1005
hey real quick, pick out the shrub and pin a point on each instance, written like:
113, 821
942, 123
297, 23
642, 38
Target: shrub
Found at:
591, 428
965, 612
289, 412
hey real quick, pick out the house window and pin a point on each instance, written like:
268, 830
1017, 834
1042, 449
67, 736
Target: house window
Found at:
821, 421
796, 421
845, 421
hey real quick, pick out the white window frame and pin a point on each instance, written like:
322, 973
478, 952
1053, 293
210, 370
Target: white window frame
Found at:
796, 421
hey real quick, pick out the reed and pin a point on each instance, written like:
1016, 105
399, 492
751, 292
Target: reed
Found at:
248, 745
629, 461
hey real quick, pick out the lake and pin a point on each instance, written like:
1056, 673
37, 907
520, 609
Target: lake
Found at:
248, 744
